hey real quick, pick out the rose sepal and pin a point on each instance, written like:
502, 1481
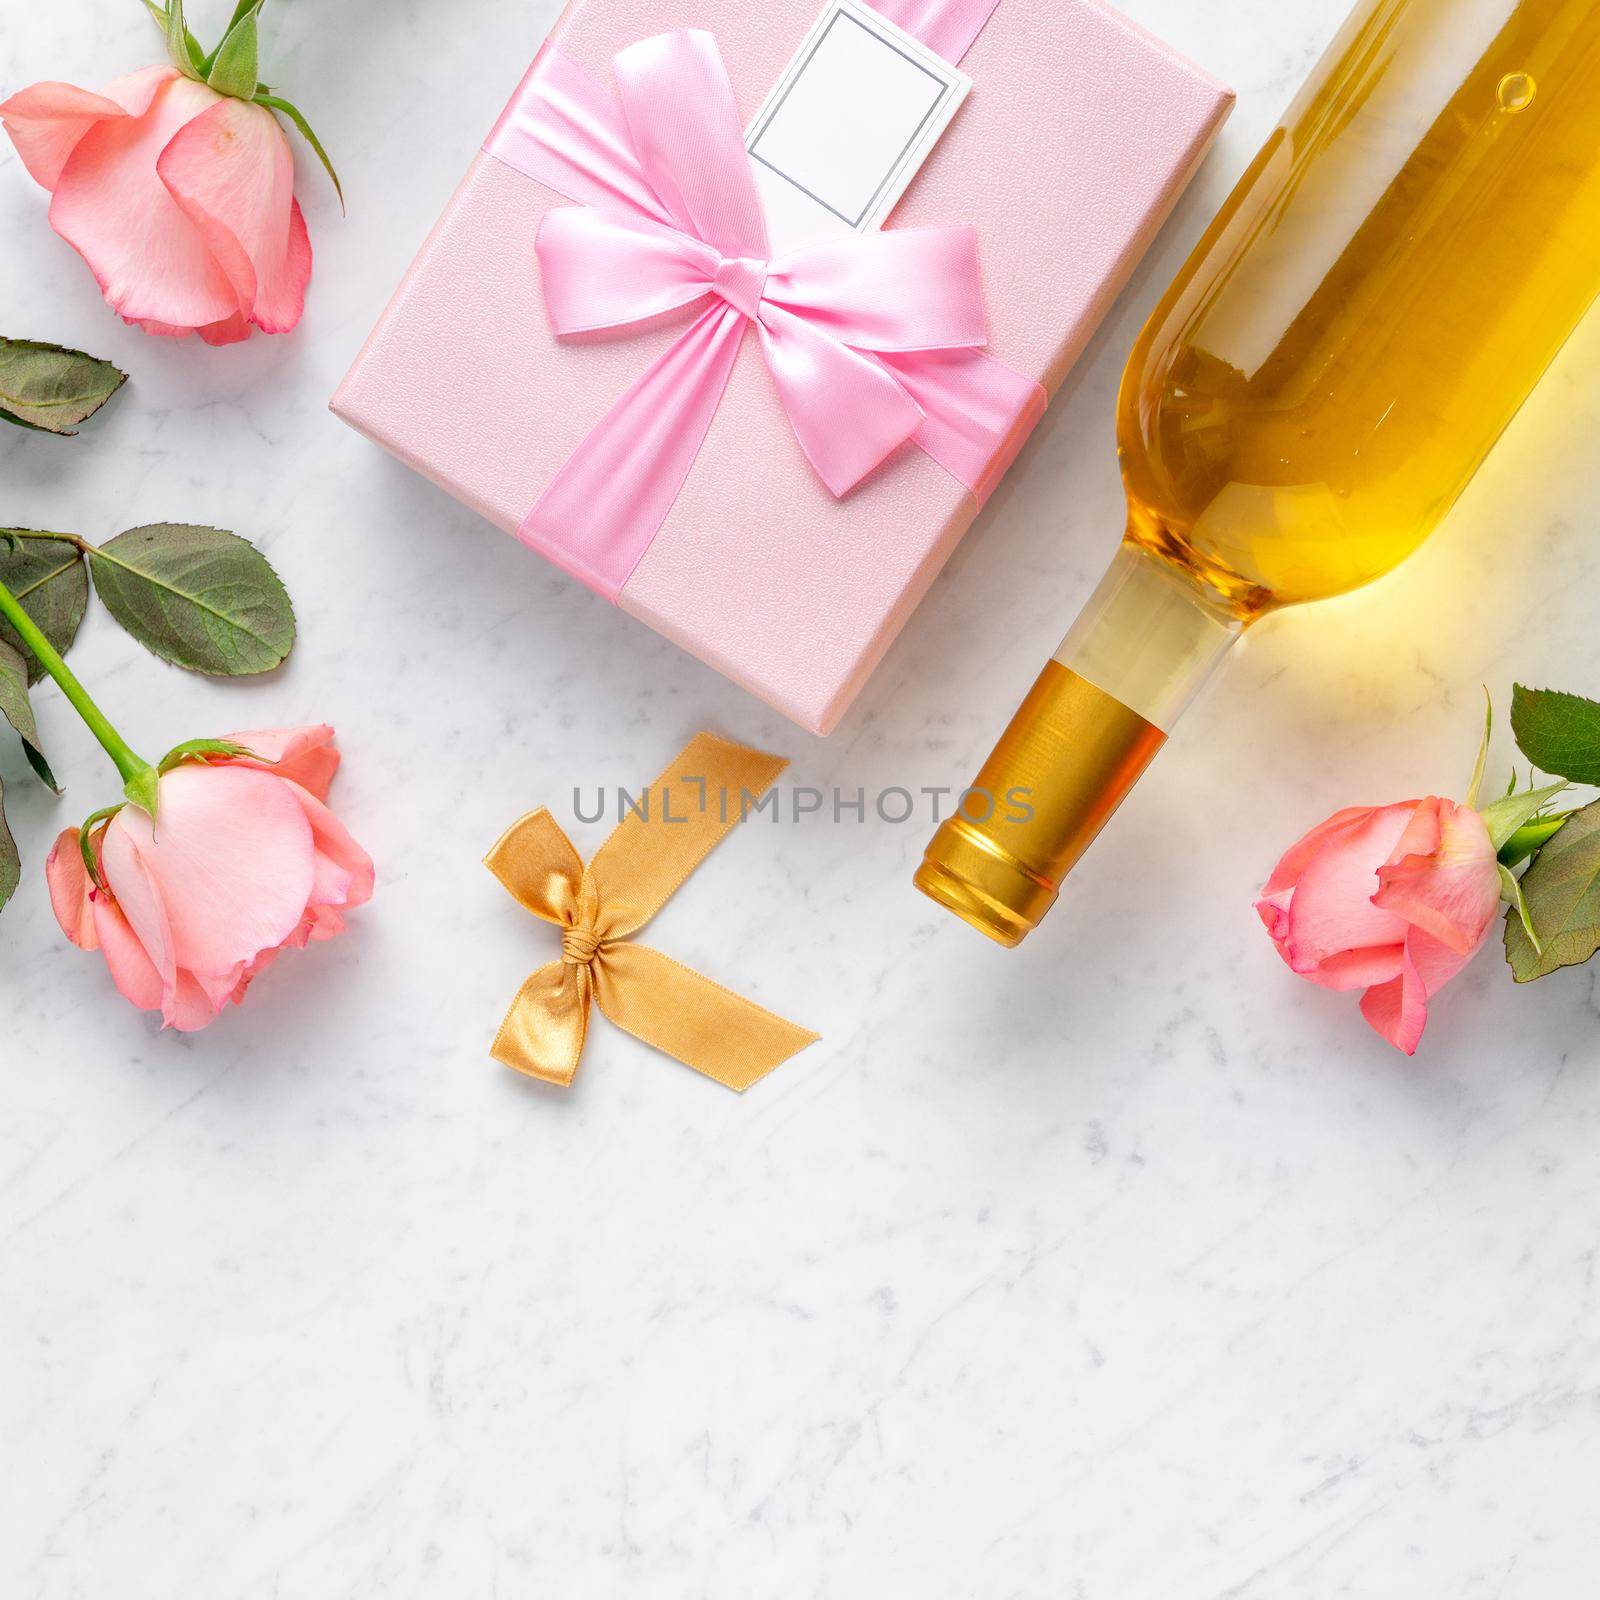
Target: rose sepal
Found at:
233, 65
183, 49
1506, 817
140, 787
91, 864
206, 750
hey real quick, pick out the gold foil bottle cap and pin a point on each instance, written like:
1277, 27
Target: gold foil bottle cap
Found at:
1063, 766
967, 873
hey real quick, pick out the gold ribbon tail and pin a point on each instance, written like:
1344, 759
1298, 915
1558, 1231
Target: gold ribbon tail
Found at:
684, 1013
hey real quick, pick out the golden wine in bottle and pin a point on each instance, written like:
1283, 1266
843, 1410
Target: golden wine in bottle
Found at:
1379, 295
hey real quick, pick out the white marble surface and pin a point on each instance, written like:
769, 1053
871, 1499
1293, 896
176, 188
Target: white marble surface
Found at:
1120, 1268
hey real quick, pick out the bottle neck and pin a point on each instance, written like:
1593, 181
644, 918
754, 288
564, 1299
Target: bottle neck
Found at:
1138, 655
1149, 637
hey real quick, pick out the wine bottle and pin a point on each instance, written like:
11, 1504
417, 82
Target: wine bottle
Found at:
1379, 295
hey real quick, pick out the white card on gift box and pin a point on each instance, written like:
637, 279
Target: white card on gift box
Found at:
851, 120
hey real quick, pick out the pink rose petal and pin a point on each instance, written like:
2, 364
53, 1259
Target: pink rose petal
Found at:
1300, 854
230, 330
112, 208
1398, 1009
46, 122
232, 173
1358, 969
1332, 909
132, 970
303, 755
70, 888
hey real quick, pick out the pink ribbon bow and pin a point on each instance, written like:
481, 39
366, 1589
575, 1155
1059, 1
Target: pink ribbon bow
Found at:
872, 340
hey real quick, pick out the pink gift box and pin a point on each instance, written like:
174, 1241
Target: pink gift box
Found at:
1080, 134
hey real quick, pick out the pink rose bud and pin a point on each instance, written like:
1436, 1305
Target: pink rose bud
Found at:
180, 199
244, 860
1395, 900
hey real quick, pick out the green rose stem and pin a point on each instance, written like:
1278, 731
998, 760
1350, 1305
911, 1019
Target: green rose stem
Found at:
138, 776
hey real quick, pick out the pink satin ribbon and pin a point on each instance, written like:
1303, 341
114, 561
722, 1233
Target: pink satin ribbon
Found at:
947, 27
872, 341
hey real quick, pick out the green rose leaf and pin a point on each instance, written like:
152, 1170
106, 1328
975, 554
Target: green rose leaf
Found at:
200, 598
15, 708
233, 68
1562, 892
50, 388
1558, 733
47, 575
10, 861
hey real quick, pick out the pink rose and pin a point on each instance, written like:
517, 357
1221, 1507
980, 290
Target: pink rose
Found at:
180, 199
1395, 900
243, 860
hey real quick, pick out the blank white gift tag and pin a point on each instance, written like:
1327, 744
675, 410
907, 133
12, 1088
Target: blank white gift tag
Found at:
851, 120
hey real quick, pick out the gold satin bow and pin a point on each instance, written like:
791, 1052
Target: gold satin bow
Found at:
634, 873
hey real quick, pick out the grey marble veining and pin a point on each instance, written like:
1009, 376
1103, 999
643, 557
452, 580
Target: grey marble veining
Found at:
1123, 1267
